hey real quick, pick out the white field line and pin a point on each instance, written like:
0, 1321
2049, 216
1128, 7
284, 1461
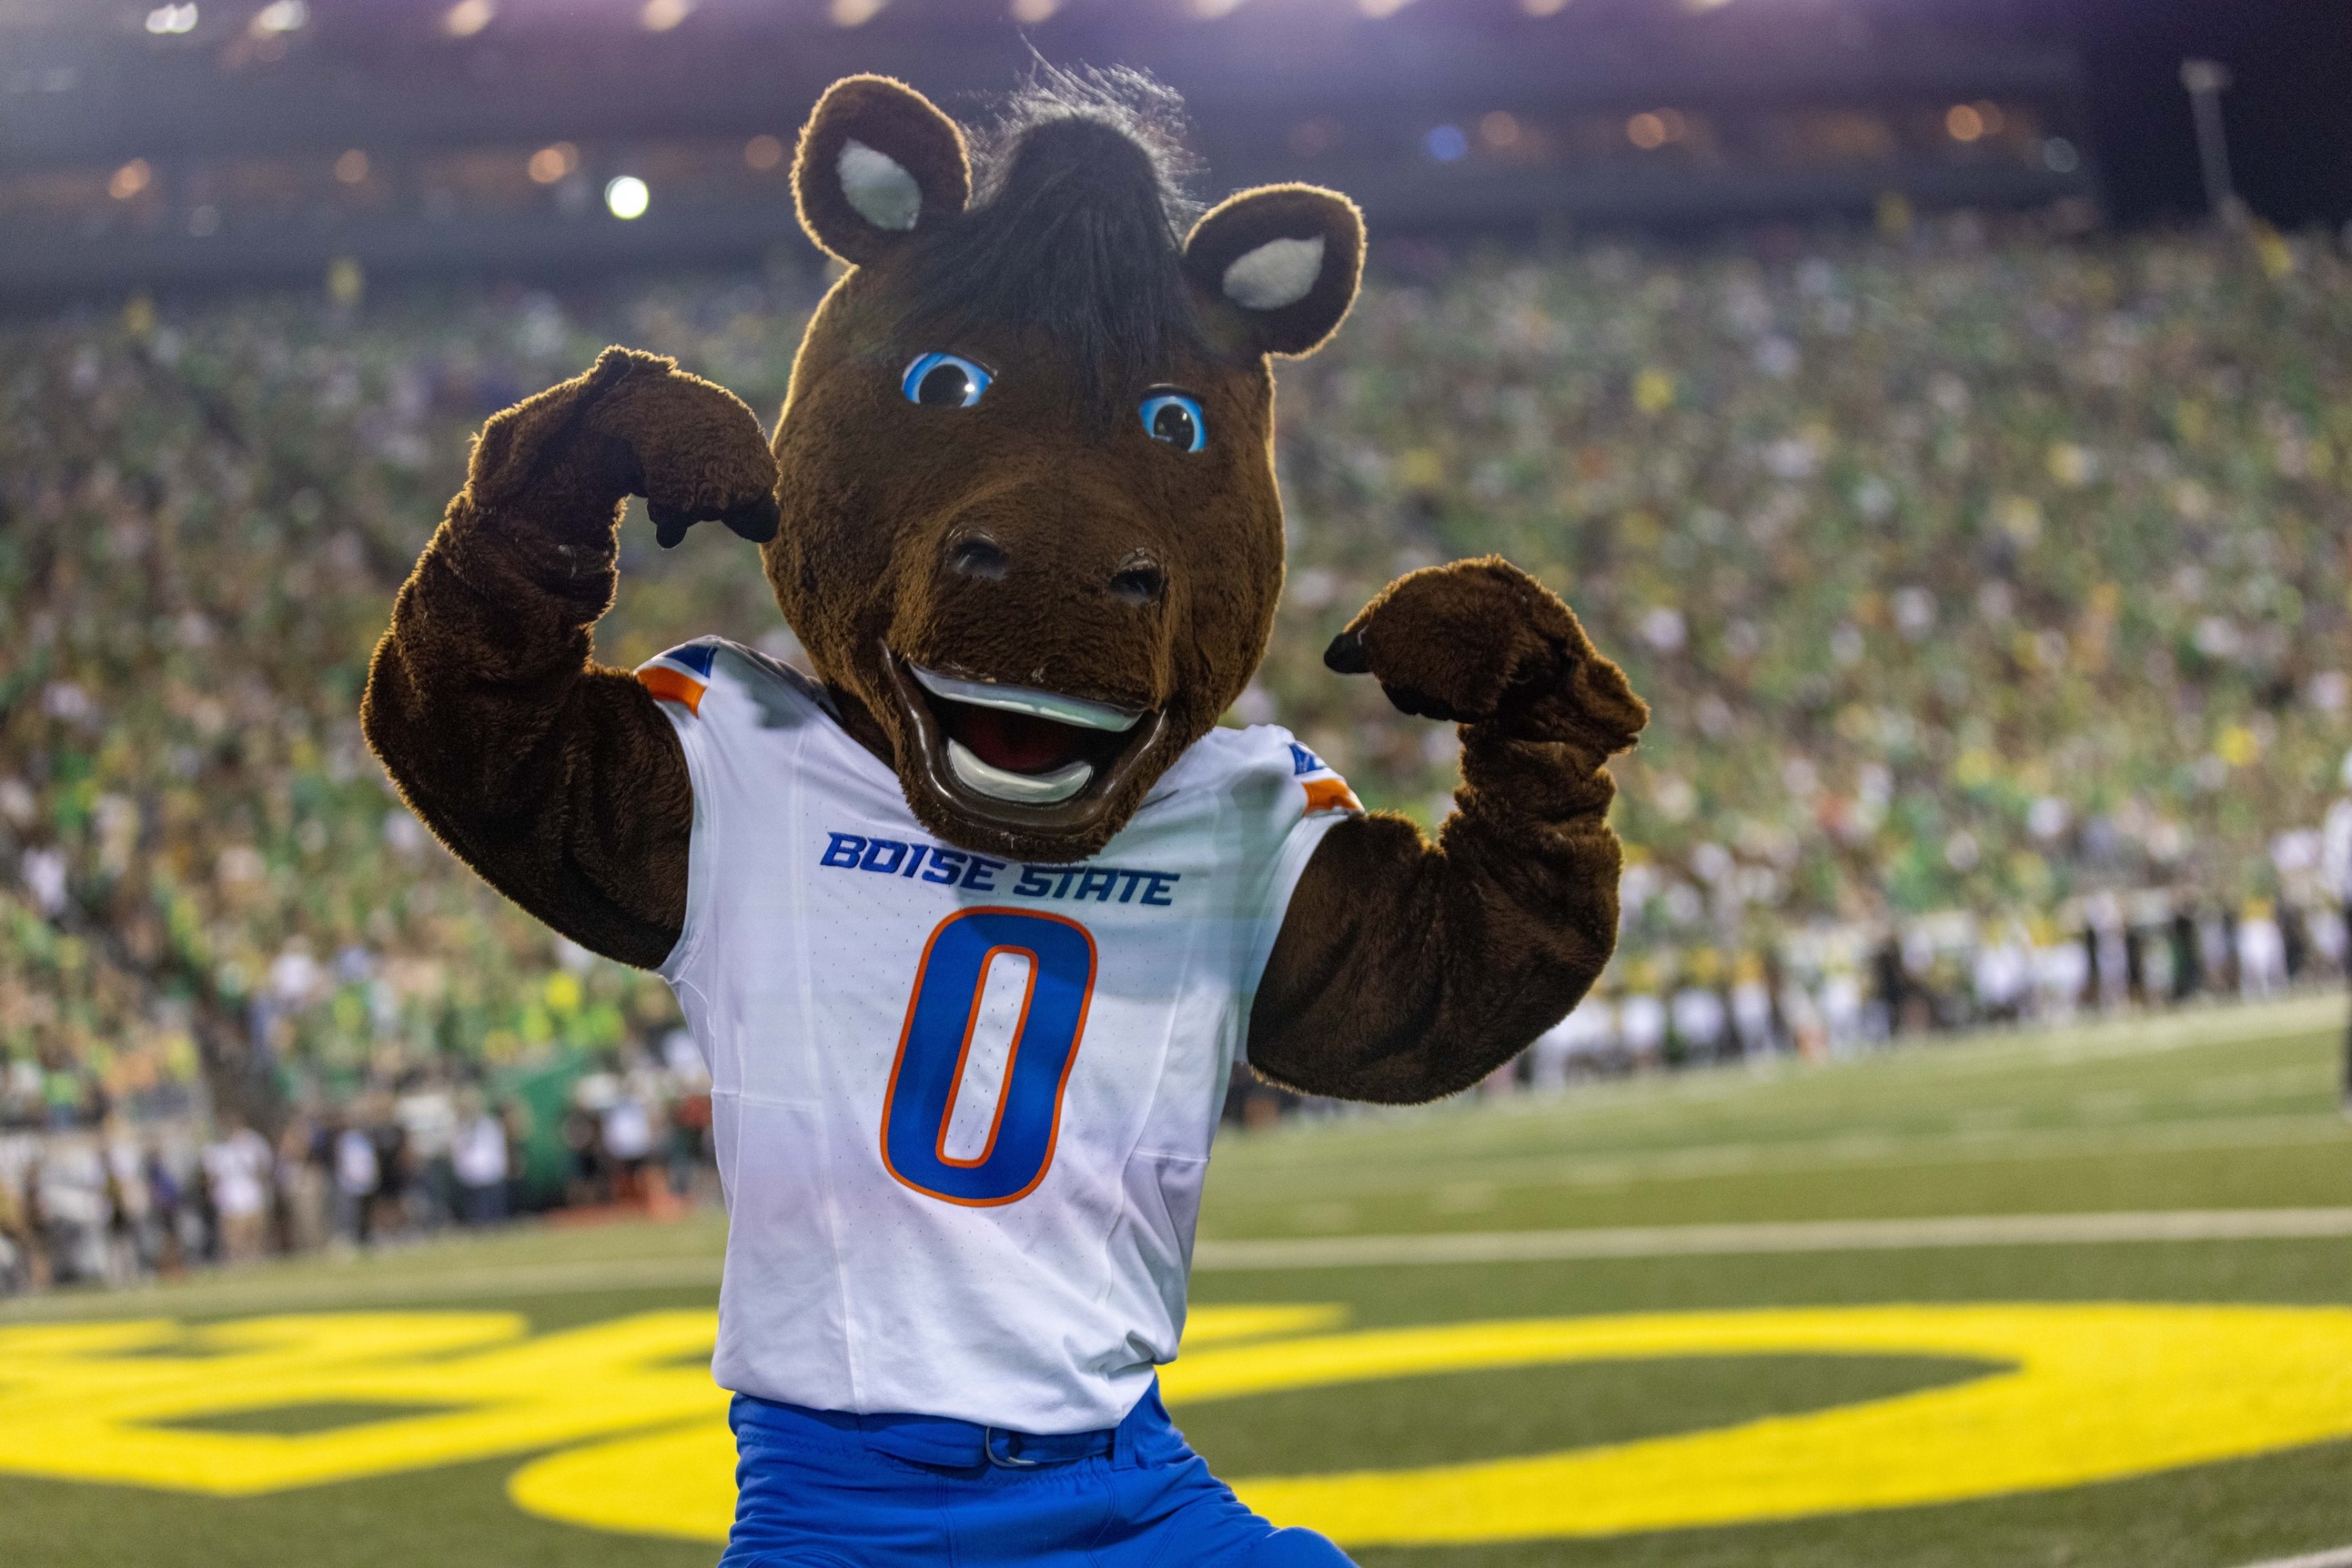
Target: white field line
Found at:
1804, 1236
256, 1290
2341, 1558
1845, 1151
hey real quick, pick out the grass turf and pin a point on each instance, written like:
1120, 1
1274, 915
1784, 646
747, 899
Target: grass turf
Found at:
2231, 1108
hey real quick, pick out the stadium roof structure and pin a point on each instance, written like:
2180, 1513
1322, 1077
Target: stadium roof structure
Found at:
209, 141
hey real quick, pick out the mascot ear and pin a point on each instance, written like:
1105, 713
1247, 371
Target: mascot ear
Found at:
1284, 259
877, 161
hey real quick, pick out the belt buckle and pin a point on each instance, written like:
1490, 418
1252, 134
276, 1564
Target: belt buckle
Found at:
1007, 1461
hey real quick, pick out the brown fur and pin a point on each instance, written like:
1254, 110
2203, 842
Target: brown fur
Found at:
555, 778
1406, 969
880, 113
1243, 223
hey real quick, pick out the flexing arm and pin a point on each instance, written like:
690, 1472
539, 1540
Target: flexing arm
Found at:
557, 779
1407, 970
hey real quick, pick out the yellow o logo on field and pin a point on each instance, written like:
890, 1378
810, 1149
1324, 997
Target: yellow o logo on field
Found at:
2088, 1393
2082, 1394
127, 1403
2096, 1394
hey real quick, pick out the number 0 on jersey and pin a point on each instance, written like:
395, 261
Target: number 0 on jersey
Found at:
935, 1055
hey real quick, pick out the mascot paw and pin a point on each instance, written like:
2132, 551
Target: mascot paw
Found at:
691, 447
1480, 642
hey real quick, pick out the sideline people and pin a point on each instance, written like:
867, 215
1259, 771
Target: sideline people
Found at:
2335, 876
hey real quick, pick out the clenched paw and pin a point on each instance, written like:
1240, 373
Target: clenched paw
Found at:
1480, 641
693, 449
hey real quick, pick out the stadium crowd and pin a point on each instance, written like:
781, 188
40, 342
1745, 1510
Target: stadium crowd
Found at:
1989, 589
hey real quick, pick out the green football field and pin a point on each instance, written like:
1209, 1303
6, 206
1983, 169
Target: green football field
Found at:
2082, 1297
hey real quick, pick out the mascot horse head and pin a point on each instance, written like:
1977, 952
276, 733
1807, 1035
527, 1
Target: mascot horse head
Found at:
1029, 519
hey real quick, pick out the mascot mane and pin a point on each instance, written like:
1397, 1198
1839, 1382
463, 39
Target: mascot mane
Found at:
1076, 228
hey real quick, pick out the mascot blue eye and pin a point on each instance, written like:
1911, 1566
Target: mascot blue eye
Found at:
944, 381
1173, 417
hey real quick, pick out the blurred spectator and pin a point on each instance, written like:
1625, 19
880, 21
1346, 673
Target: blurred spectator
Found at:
483, 1165
1585, 1041
1699, 1021
2000, 976
20, 1250
304, 1184
237, 1171
1751, 1009
428, 1122
358, 1174
1642, 1023
132, 1246
2262, 952
388, 1210
627, 1136
2336, 877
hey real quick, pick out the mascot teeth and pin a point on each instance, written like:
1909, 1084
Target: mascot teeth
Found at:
1028, 789
1037, 704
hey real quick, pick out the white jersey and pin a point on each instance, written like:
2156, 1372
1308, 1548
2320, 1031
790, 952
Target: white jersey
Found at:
964, 1105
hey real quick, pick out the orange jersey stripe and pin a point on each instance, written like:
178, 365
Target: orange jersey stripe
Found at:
1330, 795
673, 686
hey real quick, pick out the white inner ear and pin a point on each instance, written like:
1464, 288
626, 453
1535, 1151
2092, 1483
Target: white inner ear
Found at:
879, 188
1277, 273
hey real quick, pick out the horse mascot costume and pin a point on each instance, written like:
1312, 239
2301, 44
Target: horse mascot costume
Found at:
972, 928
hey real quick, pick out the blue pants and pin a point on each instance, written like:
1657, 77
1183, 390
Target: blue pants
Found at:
820, 1489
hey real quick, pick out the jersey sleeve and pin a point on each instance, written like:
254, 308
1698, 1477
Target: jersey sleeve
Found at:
715, 694
1309, 802
679, 679
681, 676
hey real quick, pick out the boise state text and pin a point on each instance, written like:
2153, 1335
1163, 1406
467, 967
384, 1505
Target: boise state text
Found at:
960, 868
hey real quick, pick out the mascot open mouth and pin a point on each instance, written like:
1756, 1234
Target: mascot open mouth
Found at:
1019, 756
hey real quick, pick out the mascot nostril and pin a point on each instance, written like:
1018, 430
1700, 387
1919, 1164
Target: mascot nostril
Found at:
1139, 584
979, 557
972, 927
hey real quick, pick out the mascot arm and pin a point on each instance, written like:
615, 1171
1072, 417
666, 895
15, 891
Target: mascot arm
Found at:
559, 779
1407, 970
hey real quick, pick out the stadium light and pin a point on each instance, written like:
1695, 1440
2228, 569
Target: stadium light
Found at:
1963, 123
1377, 9
550, 163
1032, 10
131, 179
1543, 8
855, 12
626, 197
166, 20
661, 15
352, 168
763, 152
1210, 10
2206, 81
467, 17
1650, 130
281, 17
